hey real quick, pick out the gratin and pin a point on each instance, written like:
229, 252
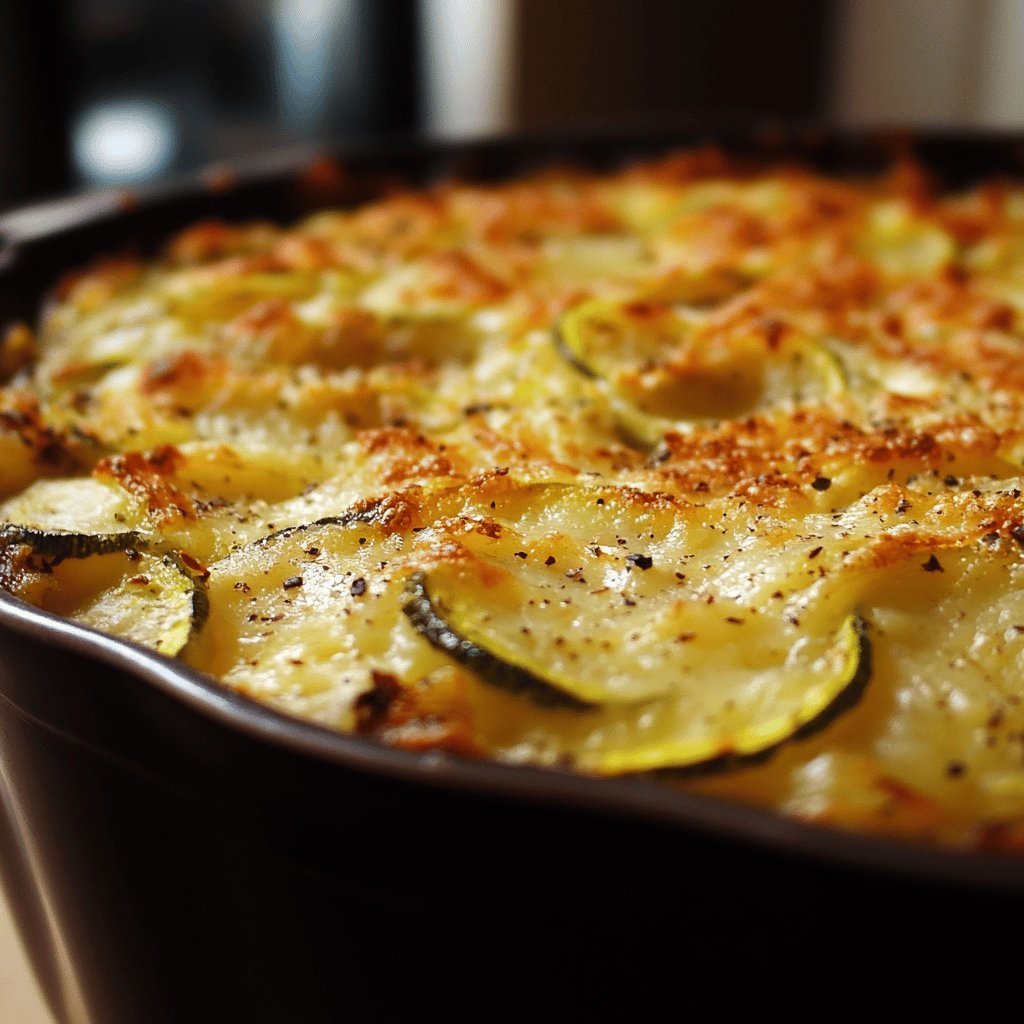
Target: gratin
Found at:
702, 469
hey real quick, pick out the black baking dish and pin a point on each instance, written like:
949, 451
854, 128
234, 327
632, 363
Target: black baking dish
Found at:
176, 853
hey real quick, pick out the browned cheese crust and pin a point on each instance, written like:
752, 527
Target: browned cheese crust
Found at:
773, 421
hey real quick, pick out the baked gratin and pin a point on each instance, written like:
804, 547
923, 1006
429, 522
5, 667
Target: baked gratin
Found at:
699, 469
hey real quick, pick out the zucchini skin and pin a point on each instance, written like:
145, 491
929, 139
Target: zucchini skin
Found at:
57, 544
359, 514
850, 695
846, 700
290, 531
200, 592
565, 350
425, 617
431, 624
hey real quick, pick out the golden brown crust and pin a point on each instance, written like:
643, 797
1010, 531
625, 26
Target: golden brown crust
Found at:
858, 347
149, 477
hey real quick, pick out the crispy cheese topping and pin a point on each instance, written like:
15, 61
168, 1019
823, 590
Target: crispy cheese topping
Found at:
733, 424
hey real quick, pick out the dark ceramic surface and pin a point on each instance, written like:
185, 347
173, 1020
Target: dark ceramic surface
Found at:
205, 859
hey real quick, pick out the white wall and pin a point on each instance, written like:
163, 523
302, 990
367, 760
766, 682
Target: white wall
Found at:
956, 62
1000, 98
468, 64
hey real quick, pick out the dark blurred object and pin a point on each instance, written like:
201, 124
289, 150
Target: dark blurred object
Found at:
35, 102
616, 61
213, 80
117, 92
163, 85
347, 67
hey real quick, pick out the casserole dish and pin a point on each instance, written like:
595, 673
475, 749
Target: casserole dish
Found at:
178, 853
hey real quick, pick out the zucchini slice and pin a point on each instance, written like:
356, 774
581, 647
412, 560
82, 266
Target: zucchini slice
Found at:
525, 636
62, 544
589, 620
107, 581
565, 611
84, 506
809, 699
453, 630
657, 702
659, 372
151, 599
156, 602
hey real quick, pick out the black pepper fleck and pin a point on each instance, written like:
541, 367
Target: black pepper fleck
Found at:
643, 562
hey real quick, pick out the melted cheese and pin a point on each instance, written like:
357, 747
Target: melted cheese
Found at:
808, 392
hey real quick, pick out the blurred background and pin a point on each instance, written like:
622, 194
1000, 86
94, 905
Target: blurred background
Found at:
115, 92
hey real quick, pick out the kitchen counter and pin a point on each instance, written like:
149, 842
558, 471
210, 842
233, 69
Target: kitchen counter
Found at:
20, 1001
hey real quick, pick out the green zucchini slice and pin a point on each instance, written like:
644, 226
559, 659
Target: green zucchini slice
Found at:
666, 707
156, 602
530, 645
808, 700
452, 629
83, 506
660, 372
107, 581
594, 617
62, 544
567, 613
151, 599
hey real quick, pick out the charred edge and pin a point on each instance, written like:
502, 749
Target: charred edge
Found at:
200, 605
845, 700
54, 544
424, 616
